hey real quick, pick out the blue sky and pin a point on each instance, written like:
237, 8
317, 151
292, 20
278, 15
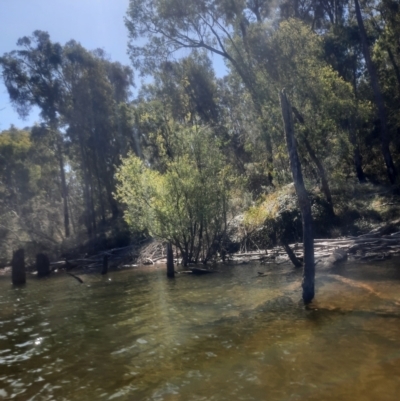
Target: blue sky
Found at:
93, 23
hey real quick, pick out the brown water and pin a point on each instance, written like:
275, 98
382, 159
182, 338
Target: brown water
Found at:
135, 335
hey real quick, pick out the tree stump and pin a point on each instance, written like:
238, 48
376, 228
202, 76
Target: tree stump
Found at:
170, 261
18, 267
42, 265
104, 269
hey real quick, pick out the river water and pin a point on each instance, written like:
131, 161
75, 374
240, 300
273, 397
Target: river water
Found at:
135, 335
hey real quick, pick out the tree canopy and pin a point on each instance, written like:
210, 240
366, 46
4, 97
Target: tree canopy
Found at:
213, 147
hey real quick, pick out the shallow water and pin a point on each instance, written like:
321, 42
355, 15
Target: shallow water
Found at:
135, 335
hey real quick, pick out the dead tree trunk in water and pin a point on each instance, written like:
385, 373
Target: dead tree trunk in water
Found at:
170, 261
292, 256
304, 202
18, 267
104, 268
42, 265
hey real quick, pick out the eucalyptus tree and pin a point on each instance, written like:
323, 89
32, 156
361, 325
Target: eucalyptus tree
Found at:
220, 27
384, 21
183, 93
379, 101
95, 126
33, 77
30, 204
80, 93
243, 33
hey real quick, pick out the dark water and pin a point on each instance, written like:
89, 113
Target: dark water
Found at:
228, 336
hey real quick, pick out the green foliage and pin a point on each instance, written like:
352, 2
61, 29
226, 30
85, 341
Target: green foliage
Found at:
29, 195
188, 204
188, 133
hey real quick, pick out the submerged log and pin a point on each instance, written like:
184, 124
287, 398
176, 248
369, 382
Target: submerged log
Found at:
199, 271
18, 267
42, 265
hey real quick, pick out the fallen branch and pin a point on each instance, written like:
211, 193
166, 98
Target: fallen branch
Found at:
75, 277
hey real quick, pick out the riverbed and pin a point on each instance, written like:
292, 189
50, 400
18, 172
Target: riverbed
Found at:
136, 335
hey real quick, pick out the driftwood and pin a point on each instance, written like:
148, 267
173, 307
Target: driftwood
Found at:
373, 246
200, 271
127, 255
75, 277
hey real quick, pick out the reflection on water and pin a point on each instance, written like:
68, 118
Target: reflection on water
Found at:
135, 335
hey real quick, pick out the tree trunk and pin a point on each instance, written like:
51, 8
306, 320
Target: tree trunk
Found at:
357, 156
42, 265
385, 140
64, 192
104, 268
18, 274
100, 195
321, 170
322, 174
170, 261
293, 258
308, 284
86, 190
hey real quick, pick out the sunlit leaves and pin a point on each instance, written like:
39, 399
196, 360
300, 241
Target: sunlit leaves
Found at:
188, 203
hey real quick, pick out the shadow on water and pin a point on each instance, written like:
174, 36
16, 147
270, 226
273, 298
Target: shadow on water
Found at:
228, 336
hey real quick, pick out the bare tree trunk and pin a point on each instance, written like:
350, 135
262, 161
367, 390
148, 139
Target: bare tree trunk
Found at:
320, 168
100, 195
170, 261
292, 256
385, 140
18, 274
64, 192
42, 265
104, 268
304, 203
357, 158
86, 189
322, 174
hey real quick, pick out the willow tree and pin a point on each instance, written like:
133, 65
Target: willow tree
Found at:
188, 203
